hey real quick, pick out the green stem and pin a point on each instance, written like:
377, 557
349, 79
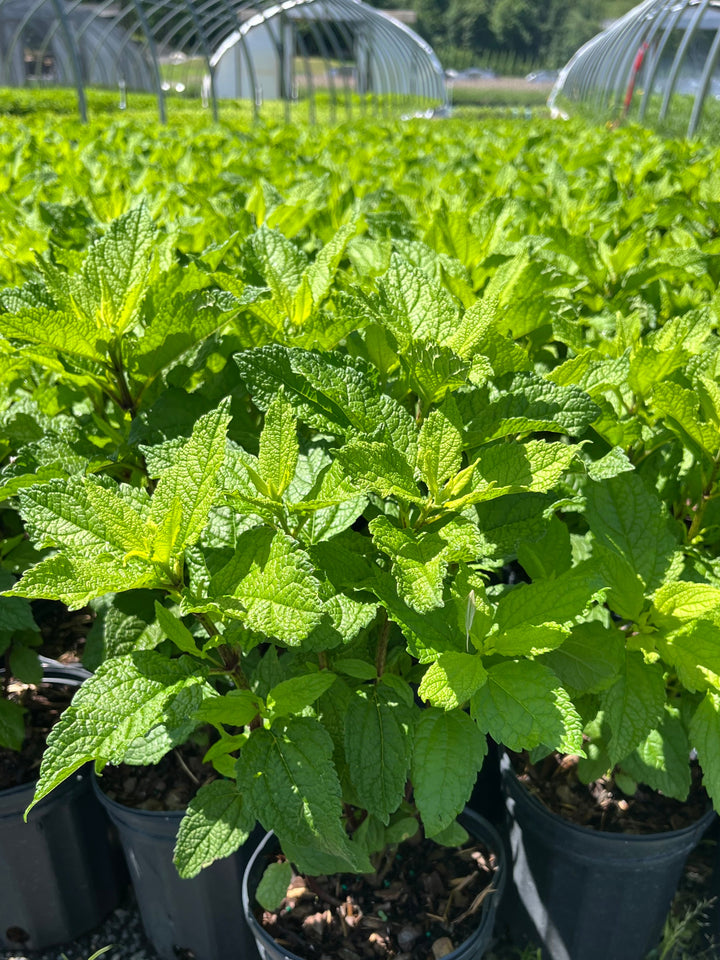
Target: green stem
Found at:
230, 657
124, 398
697, 520
382, 647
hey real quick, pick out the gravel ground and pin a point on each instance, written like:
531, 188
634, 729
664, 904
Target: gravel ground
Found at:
123, 932
122, 929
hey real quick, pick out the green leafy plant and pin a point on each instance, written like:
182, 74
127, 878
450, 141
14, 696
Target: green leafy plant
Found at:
326, 603
648, 676
296, 469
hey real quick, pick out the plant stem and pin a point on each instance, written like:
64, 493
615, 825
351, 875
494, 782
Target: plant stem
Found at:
186, 769
704, 500
382, 647
230, 658
125, 399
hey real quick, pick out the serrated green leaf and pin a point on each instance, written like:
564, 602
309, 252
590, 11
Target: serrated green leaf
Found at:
629, 520
694, 652
321, 272
453, 836
452, 680
176, 726
15, 613
24, 664
278, 454
291, 785
274, 585
216, 824
523, 705
530, 404
124, 623
433, 371
344, 618
236, 708
527, 640
590, 659
681, 409
610, 465
378, 747
549, 556
376, 467
413, 306
507, 522
53, 330
662, 761
226, 745
512, 468
123, 700
419, 561
77, 581
329, 391
180, 316
683, 601
633, 705
280, 263
440, 446
358, 669
556, 600
649, 366
82, 517
115, 274
176, 631
293, 695
448, 751
705, 738
191, 482
273, 885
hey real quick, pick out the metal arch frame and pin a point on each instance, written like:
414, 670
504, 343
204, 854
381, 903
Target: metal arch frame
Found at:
667, 18
609, 64
406, 45
119, 41
114, 28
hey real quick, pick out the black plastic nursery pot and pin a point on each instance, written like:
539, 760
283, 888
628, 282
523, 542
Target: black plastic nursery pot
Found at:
471, 949
586, 894
196, 919
60, 873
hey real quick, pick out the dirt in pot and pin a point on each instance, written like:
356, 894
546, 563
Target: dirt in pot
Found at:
422, 907
63, 631
601, 804
168, 785
43, 705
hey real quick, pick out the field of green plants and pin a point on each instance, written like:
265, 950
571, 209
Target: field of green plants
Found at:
364, 417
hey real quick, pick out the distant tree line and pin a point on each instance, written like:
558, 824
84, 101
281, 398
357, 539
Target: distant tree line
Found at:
543, 31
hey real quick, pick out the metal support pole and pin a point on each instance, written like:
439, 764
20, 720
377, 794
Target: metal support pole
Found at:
154, 56
74, 59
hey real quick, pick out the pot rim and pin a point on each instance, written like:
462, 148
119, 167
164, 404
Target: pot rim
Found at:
123, 808
52, 675
486, 914
509, 775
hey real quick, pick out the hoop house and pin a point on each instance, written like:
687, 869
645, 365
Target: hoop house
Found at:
218, 49
658, 63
